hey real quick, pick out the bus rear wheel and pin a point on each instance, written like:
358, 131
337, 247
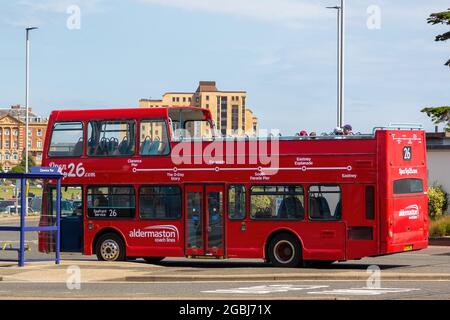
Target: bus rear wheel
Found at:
153, 259
110, 247
285, 251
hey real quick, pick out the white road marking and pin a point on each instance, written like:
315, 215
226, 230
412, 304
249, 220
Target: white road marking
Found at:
267, 289
364, 291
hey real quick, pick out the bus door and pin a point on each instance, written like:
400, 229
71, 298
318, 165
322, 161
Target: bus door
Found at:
204, 220
362, 219
71, 223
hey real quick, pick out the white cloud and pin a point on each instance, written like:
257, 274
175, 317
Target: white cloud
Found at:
291, 13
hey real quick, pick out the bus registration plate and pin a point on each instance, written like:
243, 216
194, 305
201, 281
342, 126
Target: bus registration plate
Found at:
408, 247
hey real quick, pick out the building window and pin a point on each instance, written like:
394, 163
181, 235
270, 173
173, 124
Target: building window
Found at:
184, 99
15, 144
223, 115
29, 144
234, 117
277, 202
15, 157
15, 132
7, 144
111, 202
7, 132
39, 156
325, 202
237, 98
243, 118
39, 144
29, 132
39, 132
66, 140
178, 99
173, 99
207, 106
236, 202
197, 99
7, 156
111, 138
207, 98
160, 202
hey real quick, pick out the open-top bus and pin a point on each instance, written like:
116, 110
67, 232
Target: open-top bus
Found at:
143, 184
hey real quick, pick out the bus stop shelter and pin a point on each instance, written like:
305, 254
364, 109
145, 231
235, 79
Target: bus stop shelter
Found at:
44, 173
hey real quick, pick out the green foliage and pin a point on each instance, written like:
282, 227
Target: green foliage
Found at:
439, 115
437, 201
440, 227
441, 18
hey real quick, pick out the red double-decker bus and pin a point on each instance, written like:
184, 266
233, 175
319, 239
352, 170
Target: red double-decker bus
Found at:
155, 183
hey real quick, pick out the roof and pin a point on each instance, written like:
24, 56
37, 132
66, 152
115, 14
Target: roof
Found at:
438, 140
207, 86
114, 114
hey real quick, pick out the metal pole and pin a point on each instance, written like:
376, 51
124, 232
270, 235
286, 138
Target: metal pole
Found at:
342, 59
338, 67
27, 86
58, 221
22, 222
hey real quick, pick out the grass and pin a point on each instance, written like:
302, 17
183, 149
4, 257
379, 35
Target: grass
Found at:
440, 227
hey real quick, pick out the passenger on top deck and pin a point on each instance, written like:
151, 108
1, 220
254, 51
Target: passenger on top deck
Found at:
348, 130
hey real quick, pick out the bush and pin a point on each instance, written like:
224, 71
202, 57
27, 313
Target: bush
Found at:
437, 201
440, 227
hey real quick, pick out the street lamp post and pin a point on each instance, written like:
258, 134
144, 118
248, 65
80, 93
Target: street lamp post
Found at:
338, 64
340, 58
27, 79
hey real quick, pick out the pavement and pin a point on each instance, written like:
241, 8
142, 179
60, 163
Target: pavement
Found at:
429, 264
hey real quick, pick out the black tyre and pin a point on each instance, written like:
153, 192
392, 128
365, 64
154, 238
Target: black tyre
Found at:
153, 259
110, 247
319, 263
285, 251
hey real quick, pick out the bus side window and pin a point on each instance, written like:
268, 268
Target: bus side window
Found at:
325, 202
66, 140
110, 138
370, 202
236, 202
154, 139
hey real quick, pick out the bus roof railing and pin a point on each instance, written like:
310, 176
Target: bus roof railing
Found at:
400, 126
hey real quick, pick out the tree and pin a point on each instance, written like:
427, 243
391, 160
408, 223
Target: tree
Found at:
21, 166
441, 18
439, 115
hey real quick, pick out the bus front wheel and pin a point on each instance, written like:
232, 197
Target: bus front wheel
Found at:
110, 247
285, 251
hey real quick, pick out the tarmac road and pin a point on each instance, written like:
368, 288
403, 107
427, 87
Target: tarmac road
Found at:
413, 275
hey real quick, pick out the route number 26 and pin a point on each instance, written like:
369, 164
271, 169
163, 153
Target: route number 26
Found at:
407, 153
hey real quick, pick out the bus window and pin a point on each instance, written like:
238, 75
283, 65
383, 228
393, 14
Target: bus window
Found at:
66, 140
405, 186
325, 202
110, 138
159, 202
277, 202
236, 202
198, 129
154, 140
370, 202
111, 202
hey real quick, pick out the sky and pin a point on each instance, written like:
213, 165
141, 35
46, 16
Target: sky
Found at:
110, 53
